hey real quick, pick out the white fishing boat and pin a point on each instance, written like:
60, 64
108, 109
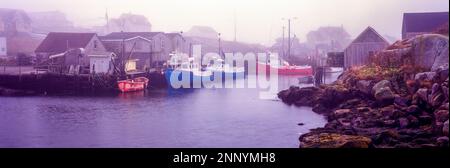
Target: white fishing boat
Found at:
196, 72
227, 69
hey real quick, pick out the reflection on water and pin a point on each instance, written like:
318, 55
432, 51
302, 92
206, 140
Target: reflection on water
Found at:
156, 118
331, 77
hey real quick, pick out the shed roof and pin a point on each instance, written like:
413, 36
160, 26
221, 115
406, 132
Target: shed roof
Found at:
369, 35
424, 22
129, 35
23, 43
7, 15
60, 42
171, 35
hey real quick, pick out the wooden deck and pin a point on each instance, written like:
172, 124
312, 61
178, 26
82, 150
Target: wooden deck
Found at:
15, 70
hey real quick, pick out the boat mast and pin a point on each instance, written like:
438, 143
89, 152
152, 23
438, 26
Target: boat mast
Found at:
283, 53
289, 39
122, 66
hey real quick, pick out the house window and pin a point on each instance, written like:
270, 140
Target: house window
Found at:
162, 43
95, 44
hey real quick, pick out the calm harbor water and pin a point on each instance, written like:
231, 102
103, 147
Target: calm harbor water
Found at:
157, 118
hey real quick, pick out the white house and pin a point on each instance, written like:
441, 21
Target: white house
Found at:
3, 49
101, 63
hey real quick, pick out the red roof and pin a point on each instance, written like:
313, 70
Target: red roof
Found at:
61, 42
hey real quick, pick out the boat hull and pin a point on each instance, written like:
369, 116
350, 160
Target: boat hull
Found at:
288, 70
193, 77
137, 84
302, 71
235, 75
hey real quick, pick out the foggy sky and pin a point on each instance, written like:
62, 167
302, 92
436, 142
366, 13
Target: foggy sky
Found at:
258, 21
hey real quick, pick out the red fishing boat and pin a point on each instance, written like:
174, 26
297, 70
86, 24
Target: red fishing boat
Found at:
132, 85
295, 70
286, 69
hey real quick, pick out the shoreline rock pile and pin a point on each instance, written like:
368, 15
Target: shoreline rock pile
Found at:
380, 105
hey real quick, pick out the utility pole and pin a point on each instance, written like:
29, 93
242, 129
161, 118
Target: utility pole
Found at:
220, 47
107, 20
190, 49
150, 55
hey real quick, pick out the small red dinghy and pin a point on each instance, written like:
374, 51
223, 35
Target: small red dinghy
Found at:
132, 85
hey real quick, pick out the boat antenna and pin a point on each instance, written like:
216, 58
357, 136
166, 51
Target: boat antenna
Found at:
235, 26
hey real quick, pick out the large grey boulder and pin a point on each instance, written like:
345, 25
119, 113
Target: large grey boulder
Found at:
381, 84
383, 93
425, 76
445, 128
430, 50
364, 86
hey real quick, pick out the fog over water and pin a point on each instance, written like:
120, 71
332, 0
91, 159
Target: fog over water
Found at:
158, 118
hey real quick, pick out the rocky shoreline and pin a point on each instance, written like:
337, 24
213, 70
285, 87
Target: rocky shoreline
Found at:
381, 106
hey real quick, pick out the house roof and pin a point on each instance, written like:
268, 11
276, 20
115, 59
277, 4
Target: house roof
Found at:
173, 35
424, 22
60, 42
369, 35
7, 15
22, 43
129, 35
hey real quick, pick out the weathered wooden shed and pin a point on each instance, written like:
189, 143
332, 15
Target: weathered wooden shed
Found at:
151, 50
366, 45
60, 51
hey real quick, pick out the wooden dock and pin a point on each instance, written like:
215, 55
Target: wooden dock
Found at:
59, 82
67, 83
